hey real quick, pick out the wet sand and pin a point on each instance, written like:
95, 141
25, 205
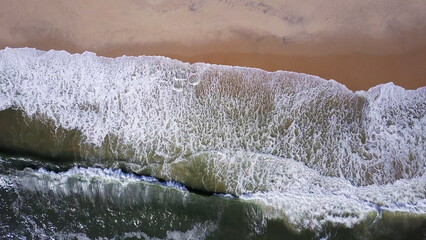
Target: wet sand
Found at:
359, 44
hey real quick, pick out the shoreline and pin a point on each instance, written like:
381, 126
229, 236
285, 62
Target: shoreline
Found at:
357, 71
359, 44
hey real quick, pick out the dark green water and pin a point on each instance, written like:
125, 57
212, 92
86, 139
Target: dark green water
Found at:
93, 203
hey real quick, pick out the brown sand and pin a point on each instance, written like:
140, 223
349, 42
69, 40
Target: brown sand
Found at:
358, 43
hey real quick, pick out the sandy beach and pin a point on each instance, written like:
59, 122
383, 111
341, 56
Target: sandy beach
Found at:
357, 44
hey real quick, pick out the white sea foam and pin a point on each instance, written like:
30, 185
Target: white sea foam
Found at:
197, 232
324, 200
280, 139
105, 175
223, 195
307, 200
367, 137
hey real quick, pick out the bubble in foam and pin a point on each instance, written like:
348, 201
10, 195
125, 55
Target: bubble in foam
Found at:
178, 84
179, 78
194, 79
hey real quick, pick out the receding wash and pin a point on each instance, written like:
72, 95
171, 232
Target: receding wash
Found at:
154, 148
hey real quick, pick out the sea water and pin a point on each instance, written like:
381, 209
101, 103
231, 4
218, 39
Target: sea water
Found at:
153, 148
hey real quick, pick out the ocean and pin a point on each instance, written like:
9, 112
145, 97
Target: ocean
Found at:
153, 148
